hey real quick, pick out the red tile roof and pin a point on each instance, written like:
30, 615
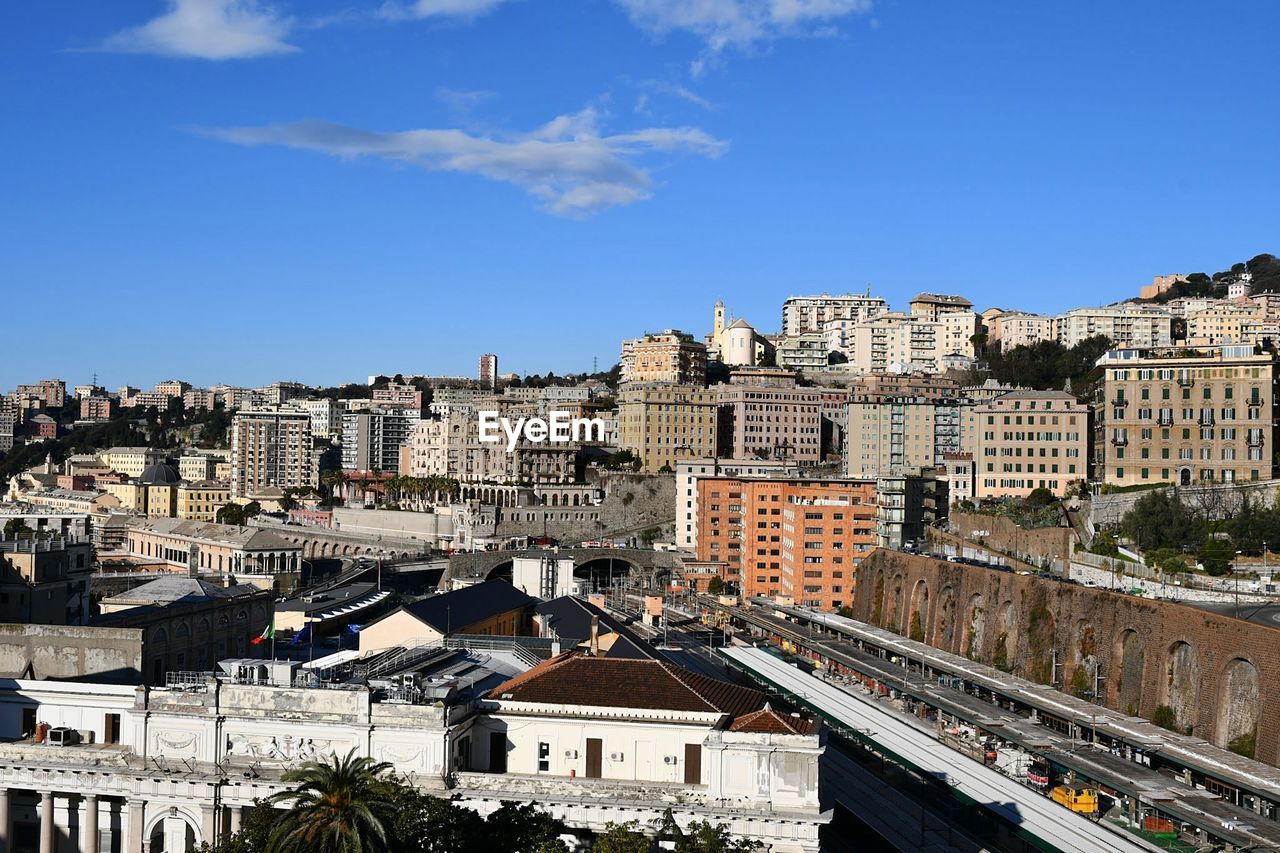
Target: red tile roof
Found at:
769, 721
573, 678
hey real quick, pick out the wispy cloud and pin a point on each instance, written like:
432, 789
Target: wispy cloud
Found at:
567, 164
459, 9
462, 100
740, 23
675, 90
208, 29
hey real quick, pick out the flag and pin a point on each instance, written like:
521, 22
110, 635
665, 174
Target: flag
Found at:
354, 629
269, 633
302, 636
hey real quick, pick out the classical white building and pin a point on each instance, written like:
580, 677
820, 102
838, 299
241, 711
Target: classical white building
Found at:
591, 740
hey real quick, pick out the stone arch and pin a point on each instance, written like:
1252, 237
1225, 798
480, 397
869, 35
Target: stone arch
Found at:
1084, 661
894, 605
1238, 702
173, 830
1042, 637
918, 616
1181, 687
973, 631
1129, 662
945, 618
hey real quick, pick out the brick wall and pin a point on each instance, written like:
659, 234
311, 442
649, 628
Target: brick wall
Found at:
1218, 676
1002, 534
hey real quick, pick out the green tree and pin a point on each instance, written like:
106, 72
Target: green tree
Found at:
621, 838
524, 827
1040, 497
1216, 555
701, 837
255, 832
426, 824
1159, 519
16, 528
715, 586
341, 805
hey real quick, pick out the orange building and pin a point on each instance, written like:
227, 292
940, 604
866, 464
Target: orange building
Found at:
790, 537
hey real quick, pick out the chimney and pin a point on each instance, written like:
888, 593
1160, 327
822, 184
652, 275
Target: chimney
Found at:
595, 636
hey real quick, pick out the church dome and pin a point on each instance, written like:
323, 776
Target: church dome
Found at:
159, 474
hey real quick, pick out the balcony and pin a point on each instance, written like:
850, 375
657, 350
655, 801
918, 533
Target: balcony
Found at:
1165, 420
1120, 440
1119, 401
1186, 381
1253, 402
1206, 421
1256, 440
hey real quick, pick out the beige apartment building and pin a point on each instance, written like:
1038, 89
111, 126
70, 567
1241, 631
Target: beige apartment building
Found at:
131, 461
270, 447
777, 420
670, 356
1127, 325
895, 434
1188, 416
201, 500
451, 447
663, 424
802, 315
1028, 440
1018, 329
1223, 323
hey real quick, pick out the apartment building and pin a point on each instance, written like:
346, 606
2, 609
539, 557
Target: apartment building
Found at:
270, 447
51, 392
802, 315
669, 356
201, 500
371, 439
131, 461
690, 471
891, 434
95, 408
397, 394
778, 420
805, 353
789, 537
1126, 325
8, 424
1028, 440
172, 387
1225, 323
451, 447
1018, 329
911, 342
663, 424
1179, 416
488, 371
932, 306
200, 398
326, 417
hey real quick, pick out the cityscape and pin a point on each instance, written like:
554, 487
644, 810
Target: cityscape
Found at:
974, 561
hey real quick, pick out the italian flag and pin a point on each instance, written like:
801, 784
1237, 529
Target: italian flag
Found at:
269, 633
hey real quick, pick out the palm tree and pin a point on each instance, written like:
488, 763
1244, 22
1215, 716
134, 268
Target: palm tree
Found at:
341, 805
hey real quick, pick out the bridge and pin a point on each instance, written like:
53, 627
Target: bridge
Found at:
646, 568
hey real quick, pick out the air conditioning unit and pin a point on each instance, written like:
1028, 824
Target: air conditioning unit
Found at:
669, 759
571, 753
615, 756
62, 736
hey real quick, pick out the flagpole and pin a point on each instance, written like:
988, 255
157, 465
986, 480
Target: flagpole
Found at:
273, 644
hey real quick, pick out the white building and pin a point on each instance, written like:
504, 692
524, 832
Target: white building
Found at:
802, 315
689, 471
270, 447
326, 417
371, 440
1125, 325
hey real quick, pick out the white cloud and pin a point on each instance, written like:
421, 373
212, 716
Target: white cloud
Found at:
208, 29
567, 163
739, 23
677, 91
462, 9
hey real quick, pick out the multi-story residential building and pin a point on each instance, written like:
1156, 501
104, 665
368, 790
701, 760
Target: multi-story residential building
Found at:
146, 400
669, 356
1028, 440
52, 392
270, 447
805, 353
790, 537
690, 471
1018, 329
932, 306
201, 500
907, 504
1224, 323
95, 408
451, 447
488, 372
397, 394
897, 341
803, 315
45, 581
326, 417
1269, 303
197, 464
233, 398
279, 393
371, 440
1178, 416
770, 419
82, 391
8, 424
200, 398
1128, 325
172, 387
1159, 285
131, 461
663, 424
958, 472
890, 434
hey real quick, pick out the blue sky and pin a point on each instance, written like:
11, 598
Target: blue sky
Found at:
229, 191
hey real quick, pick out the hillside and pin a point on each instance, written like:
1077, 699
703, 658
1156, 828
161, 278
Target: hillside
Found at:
1264, 268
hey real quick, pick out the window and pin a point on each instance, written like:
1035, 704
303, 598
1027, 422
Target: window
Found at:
544, 757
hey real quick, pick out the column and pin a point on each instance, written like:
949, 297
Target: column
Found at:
4, 820
235, 820
46, 822
208, 826
90, 842
135, 818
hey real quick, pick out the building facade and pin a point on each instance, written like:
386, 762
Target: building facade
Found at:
270, 447
802, 315
663, 424
670, 356
1027, 440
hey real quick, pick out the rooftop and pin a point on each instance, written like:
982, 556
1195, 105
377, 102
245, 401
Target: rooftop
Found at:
454, 611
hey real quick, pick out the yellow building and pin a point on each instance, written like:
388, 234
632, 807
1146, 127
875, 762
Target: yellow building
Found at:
1028, 440
663, 424
200, 501
1188, 416
671, 356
